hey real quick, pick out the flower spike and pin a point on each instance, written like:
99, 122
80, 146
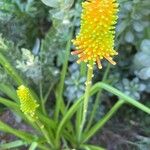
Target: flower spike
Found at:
28, 104
95, 40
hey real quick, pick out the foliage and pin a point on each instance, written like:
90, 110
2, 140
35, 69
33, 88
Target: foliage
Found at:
75, 84
35, 43
132, 42
29, 65
19, 18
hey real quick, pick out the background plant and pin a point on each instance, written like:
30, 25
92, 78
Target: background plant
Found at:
34, 38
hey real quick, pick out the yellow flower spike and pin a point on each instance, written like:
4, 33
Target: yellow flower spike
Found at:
95, 40
28, 105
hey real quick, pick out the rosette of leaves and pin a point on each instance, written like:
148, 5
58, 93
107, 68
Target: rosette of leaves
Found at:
133, 21
141, 63
131, 30
54, 44
60, 14
75, 84
131, 88
19, 18
63, 14
53, 48
30, 66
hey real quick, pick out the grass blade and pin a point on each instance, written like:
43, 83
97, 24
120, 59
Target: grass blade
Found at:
13, 144
9, 91
33, 146
11, 71
91, 147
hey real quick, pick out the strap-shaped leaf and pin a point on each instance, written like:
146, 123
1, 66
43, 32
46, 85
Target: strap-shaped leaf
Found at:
93, 90
13, 144
91, 147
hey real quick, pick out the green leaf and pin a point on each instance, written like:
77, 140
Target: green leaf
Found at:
68, 3
51, 3
9, 104
13, 144
47, 121
94, 89
103, 121
126, 98
29, 138
66, 117
33, 146
122, 26
9, 91
91, 147
21, 134
15, 107
11, 71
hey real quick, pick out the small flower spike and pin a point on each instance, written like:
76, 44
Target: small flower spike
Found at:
28, 105
95, 40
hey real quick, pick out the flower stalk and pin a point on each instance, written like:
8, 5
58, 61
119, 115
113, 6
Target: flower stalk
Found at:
94, 42
86, 96
97, 100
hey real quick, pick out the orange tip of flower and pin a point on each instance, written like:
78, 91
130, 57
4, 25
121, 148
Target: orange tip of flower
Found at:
95, 40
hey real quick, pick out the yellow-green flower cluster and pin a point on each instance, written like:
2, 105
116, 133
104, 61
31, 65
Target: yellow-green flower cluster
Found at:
95, 40
28, 104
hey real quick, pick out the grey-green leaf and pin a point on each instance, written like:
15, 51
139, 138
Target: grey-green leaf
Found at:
51, 3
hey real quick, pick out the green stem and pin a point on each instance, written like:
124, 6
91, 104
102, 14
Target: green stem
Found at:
62, 79
78, 120
62, 110
42, 100
44, 132
67, 106
103, 121
83, 69
83, 72
86, 97
74, 108
106, 73
48, 92
97, 100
